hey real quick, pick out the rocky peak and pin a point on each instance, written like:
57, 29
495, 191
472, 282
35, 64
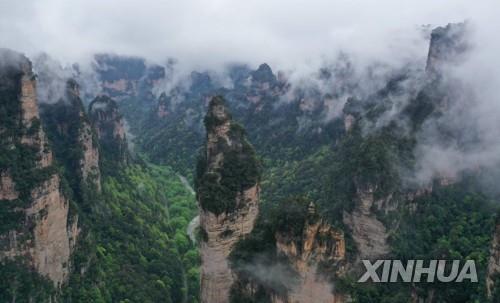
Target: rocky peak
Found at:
318, 243
72, 88
12, 62
368, 232
19, 90
201, 82
263, 74
69, 126
447, 46
493, 271
124, 77
238, 74
110, 126
103, 109
217, 114
163, 108
38, 231
228, 190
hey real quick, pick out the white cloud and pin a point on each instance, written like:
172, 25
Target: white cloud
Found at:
207, 33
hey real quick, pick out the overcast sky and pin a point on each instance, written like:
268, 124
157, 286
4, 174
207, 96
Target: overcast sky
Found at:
211, 32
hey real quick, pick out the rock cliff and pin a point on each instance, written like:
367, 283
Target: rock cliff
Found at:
368, 232
493, 271
228, 195
125, 78
30, 117
320, 244
89, 162
38, 230
448, 45
73, 137
110, 128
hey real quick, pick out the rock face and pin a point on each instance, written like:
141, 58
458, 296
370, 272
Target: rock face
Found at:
7, 187
40, 232
348, 122
72, 135
493, 272
110, 128
320, 243
30, 116
51, 237
369, 234
89, 162
448, 44
125, 77
52, 231
227, 211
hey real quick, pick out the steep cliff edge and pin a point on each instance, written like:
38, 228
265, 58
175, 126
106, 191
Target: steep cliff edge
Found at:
37, 230
368, 232
319, 247
110, 127
448, 45
227, 187
71, 134
493, 271
294, 255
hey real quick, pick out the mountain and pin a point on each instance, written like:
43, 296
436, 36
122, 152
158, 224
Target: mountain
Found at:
356, 196
77, 211
227, 185
296, 181
39, 225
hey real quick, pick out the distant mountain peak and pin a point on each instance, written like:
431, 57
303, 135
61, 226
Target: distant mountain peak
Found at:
264, 73
217, 114
447, 46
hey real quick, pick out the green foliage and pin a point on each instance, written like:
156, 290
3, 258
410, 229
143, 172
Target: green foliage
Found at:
106, 118
18, 160
63, 124
259, 250
217, 189
211, 120
18, 283
453, 223
290, 216
140, 253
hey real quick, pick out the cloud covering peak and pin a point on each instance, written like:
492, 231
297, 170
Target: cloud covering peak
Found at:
204, 34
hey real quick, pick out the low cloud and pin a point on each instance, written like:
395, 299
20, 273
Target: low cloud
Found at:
465, 136
208, 34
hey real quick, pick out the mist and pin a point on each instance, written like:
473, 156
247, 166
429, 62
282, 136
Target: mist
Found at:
207, 34
296, 37
471, 116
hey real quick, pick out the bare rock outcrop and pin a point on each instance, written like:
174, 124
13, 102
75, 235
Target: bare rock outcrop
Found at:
110, 127
368, 232
34, 136
320, 244
493, 271
70, 131
40, 231
51, 237
222, 232
228, 195
7, 187
89, 162
448, 45
52, 234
